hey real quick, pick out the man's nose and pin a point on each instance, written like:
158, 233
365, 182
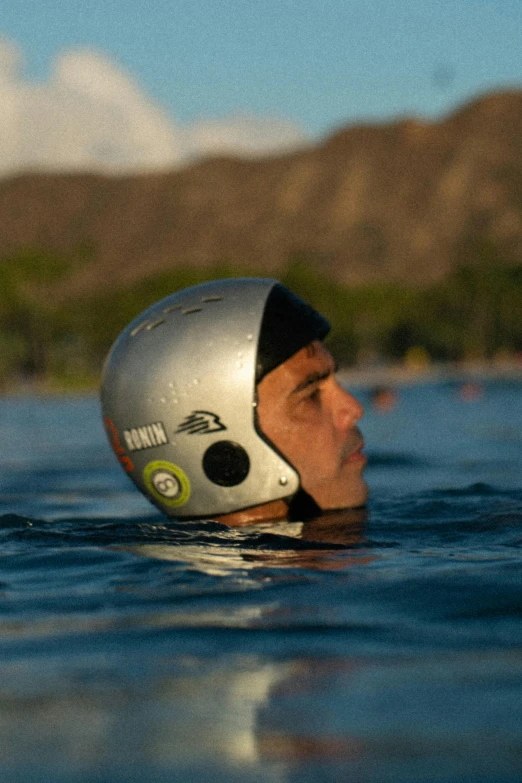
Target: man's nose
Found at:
348, 409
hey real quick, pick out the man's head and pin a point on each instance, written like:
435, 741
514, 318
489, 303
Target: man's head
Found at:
312, 420
222, 398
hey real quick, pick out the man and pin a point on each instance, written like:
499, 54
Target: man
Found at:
221, 401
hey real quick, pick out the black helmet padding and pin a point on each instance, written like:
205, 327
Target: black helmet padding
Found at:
289, 323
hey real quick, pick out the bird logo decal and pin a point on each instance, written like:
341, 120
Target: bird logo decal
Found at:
200, 423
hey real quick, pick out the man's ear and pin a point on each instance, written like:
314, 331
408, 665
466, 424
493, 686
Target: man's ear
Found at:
303, 507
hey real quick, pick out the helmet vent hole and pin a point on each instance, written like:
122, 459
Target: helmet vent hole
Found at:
212, 299
139, 328
155, 323
171, 308
191, 310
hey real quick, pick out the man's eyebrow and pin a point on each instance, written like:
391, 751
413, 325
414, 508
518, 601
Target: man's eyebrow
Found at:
313, 377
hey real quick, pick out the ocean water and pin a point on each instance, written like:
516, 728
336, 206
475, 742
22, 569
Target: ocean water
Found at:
384, 646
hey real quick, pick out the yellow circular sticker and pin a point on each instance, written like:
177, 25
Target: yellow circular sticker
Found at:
167, 483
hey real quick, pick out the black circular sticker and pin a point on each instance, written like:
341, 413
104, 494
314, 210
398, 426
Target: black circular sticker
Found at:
226, 463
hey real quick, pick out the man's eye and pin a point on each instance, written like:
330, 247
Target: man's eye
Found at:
315, 396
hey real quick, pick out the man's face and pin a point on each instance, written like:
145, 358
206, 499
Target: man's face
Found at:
311, 419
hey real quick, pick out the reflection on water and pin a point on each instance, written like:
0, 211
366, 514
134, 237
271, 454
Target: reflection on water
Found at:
249, 718
337, 534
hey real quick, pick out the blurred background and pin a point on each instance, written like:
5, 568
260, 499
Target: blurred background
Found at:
368, 154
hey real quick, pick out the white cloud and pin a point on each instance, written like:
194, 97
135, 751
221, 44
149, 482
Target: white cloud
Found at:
10, 60
92, 115
244, 135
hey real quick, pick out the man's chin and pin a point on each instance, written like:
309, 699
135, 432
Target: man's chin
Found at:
331, 498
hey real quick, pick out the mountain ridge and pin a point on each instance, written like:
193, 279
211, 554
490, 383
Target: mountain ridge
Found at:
404, 201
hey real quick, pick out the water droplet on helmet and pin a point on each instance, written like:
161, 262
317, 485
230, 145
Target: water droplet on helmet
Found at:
283, 481
162, 399
195, 381
250, 336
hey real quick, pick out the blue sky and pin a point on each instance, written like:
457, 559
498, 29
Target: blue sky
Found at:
123, 85
319, 64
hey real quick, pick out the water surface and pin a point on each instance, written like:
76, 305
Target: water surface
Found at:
377, 648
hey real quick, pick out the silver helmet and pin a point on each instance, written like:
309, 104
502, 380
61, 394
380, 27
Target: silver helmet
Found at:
179, 395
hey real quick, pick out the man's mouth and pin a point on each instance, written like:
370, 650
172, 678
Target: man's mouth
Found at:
355, 454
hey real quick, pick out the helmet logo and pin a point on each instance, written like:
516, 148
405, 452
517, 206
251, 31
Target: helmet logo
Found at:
145, 437
125, 461
200, 423
167, 483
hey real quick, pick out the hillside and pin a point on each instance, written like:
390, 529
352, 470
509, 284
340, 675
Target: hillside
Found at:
402, 201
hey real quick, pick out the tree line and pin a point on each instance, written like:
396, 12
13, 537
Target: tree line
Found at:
475, 313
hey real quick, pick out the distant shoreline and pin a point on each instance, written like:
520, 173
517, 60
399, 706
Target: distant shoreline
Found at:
369, 376
403, 375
